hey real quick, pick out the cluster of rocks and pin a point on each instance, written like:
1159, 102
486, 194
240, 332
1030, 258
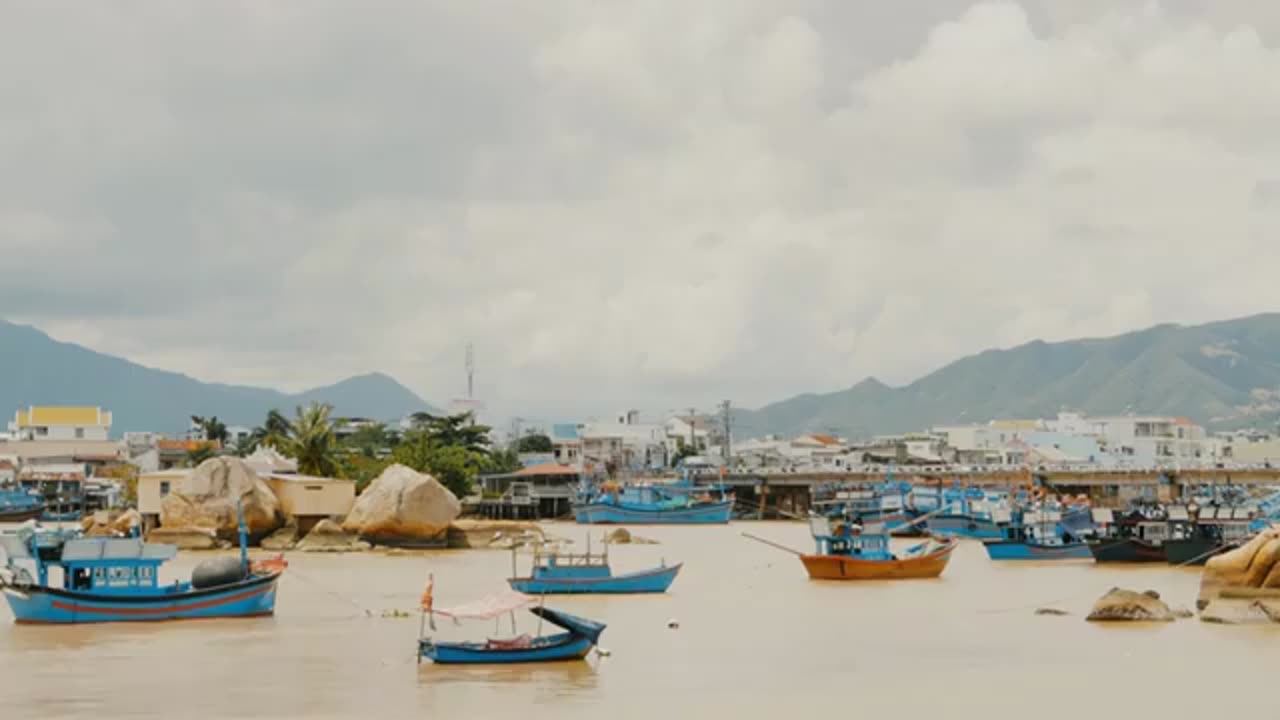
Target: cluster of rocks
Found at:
400, 507
111, 523
1243, 585
1120, 604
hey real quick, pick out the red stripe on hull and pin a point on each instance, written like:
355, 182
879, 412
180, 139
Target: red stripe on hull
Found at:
157, 609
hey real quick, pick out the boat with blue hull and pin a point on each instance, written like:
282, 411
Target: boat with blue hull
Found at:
564, 573
886, 504
1038, 536
18, 504
580, 635
117, 580
679, 503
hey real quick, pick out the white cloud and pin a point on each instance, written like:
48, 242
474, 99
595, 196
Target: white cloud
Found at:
653, 208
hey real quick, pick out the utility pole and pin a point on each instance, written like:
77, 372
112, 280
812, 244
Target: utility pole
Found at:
724, 448
693, 433
515, 432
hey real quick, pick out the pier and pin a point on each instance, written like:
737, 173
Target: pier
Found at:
774, 492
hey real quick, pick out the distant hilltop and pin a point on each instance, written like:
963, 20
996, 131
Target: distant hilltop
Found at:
38, 370
1223, 375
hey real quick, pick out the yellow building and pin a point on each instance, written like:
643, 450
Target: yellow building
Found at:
61, 422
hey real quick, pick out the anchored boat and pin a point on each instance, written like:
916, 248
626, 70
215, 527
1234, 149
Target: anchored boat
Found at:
848, 551
1137, 536
561, 573
678, 503
18, 504
1039, 536
579, 637
117, 580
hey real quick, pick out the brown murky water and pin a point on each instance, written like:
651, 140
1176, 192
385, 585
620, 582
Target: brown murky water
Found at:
756, 640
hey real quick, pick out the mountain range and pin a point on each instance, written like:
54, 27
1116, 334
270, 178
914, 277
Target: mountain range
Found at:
1222, 375
38, 370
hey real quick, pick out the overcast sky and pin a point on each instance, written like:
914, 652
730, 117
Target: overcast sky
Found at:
652, 207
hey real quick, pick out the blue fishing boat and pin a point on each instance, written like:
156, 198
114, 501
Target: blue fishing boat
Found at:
1038, 536
678, 503
969, 513
560, 573
117, 580
886, 504
579, 637
18, 504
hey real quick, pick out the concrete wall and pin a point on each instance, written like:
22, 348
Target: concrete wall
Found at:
152, 487
302, 496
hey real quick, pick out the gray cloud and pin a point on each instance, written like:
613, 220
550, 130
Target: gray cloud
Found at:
650, 207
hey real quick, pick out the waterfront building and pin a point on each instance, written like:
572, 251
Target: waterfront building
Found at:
57, 422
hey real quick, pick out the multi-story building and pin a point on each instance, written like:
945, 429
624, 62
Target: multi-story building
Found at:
52, 422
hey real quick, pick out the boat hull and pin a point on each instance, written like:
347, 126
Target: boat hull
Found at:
1129, 550
37, 605
839, 567
1194, 552
9, 516
607, 514
566, 647
963, 526
1013, 550
649, 581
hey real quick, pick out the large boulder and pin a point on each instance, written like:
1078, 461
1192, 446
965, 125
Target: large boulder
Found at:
111, 523
283, 539
1120, 604
1250, 566
184, 538
328, 536
403, 507
1240, 611
207, 498
494, 534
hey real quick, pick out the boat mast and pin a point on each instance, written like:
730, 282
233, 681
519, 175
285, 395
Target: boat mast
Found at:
244, 537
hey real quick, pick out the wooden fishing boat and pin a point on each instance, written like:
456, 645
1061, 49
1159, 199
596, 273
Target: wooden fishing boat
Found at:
18, 504
1037, 536
678, 503
561, 573
1129, 539
579, 637
117, 580
847, 551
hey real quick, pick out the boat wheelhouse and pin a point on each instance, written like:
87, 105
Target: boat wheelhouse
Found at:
562, 573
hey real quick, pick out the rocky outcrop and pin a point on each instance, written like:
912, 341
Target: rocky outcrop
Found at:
328, 536
494, 534
283, 539
403, 507
207, 498
1252, 566
185, 538
1051, 611
1120, 604
622, 536
1240, 611
111, 523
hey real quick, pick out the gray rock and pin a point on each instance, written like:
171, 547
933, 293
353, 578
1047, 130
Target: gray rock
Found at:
1127, 605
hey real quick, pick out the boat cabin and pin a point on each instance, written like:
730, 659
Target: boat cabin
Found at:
842, 537
570, 565
111, 566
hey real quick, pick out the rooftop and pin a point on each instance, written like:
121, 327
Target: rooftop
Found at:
49, 415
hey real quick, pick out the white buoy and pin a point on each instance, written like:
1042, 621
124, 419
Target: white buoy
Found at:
603, 653
673, 623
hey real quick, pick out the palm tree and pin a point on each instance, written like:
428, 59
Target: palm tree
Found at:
212, 429
453, 431
273, 433
311, 441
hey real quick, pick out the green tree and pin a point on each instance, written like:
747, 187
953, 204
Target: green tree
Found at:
273, 433
370, 440
503, 461
683, 450
199, 454
535, 443
311, 441
453, 430
212, 429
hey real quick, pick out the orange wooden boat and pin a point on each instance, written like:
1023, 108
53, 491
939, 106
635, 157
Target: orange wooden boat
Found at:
847, 551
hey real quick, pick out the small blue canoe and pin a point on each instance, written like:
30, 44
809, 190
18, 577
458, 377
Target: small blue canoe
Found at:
580, 636
604, 513
559, 573
1027, 550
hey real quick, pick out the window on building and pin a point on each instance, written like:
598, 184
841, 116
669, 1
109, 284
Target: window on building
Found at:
164, 488
79, 433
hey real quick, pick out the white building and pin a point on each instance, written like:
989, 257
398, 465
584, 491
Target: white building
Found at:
49, 422
627, 445
1146, 440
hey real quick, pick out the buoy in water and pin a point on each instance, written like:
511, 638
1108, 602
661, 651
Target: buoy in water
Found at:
603, 653
673, 623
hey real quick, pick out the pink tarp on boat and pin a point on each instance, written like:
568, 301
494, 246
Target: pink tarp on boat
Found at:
488, 607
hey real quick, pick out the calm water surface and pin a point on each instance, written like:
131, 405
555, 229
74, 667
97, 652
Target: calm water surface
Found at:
756, 639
